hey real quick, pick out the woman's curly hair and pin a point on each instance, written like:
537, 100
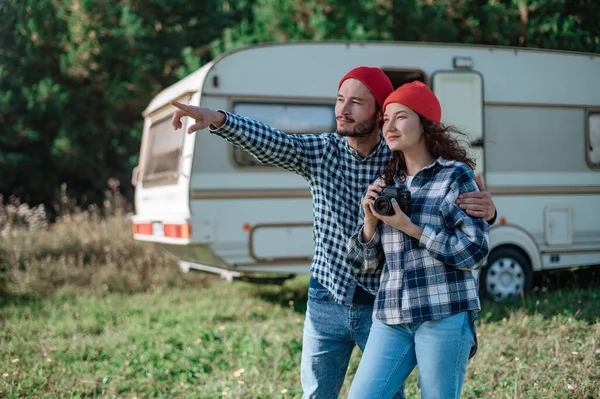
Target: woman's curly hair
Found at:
439, 142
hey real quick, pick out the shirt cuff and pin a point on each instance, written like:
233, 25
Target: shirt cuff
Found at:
372, 243
228, 128
427, 236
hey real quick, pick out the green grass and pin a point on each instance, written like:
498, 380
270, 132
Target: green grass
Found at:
175, 343
163, 335
237, 340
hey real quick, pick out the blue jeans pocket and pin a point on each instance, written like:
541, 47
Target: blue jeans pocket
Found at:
318, 294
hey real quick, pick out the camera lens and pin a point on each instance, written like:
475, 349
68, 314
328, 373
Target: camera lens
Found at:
383, 206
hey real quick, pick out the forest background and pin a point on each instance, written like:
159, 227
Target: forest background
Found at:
75, 75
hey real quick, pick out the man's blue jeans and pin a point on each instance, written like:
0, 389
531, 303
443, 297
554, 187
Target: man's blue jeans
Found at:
331, 331
440, 348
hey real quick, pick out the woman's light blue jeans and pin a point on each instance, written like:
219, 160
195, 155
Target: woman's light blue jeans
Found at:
331, 331
440, 348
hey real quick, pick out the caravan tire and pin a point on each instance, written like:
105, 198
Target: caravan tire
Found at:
506, 276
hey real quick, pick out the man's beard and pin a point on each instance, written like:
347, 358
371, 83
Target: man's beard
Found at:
360, 130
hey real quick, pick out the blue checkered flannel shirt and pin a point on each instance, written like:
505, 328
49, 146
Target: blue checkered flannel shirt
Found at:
337, 177
436, 276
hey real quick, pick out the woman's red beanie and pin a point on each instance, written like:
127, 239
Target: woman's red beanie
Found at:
375, 79
418, 97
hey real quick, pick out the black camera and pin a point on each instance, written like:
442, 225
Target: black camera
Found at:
383, 203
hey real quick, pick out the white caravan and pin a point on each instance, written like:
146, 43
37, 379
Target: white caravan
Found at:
533, 119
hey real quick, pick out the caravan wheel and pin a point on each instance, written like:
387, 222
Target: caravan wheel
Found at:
506, 276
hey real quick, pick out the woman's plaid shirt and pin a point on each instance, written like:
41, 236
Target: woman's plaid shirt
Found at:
436, 276
337, 177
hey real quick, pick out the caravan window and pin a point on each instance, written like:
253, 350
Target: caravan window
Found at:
593, 139
290, 118
161, 166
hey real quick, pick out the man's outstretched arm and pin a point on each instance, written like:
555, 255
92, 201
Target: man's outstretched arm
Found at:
298, 153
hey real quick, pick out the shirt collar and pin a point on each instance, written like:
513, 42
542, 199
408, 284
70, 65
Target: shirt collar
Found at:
378, 148
444, 163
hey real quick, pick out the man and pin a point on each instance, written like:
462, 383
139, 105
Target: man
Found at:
338, 167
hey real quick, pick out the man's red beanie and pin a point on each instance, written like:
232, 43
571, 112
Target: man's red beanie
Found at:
418, 97
375, 79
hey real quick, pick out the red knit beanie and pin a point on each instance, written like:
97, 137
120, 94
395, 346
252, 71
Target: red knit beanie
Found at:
375, 79
418, 97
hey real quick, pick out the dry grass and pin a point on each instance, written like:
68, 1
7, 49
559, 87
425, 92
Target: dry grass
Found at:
90, 249
96, 254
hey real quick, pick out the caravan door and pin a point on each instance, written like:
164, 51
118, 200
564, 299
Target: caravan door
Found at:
461, 96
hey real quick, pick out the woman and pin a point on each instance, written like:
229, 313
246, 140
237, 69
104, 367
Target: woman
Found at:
427, 300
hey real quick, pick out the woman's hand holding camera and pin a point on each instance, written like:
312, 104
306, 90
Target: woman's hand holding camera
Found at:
371, 220
373, 191
397, 219
400, 221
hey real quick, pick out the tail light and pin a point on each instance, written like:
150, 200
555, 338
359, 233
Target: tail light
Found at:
177, 230
159, 229
142, 228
